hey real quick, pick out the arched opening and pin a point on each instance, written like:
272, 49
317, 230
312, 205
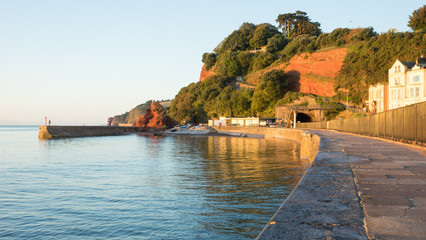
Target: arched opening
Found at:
303, 117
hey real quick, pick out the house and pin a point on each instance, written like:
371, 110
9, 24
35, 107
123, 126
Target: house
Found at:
407, 83
232, 121
378, 100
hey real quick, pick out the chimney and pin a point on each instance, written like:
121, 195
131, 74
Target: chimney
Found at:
421, 60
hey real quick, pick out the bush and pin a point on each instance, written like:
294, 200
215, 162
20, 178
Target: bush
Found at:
209, 59
276, 43
262, 60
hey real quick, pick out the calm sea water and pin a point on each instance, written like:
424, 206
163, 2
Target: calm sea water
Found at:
141, 187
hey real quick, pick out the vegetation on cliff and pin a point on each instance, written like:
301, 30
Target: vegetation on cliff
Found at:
263, 51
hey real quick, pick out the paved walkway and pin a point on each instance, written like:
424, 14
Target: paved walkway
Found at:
391, 182
357, 188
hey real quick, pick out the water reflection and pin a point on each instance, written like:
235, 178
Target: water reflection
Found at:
243, 180
145, 187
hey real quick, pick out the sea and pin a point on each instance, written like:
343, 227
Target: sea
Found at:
141, 186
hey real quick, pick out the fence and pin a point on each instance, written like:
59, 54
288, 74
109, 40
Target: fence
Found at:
407, 124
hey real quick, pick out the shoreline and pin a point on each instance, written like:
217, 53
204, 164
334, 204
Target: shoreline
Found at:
312, 191
324, 204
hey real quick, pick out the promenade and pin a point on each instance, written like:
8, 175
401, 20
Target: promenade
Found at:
357, 188
391, 182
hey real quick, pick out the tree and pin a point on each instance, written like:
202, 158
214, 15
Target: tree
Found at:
286, 22
298, 23
228, 65
261, 35
276, 43
262, 60
272, 87
209, 59
418, 19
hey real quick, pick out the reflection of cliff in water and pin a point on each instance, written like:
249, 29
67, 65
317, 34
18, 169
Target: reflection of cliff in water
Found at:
239, 183
253, 163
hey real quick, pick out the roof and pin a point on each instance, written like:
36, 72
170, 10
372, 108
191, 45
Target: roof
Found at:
408, 64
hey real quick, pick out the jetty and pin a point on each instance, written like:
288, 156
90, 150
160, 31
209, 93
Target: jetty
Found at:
52, 132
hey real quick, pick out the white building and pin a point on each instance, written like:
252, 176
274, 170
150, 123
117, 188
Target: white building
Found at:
378, 98
250, 121
407, 83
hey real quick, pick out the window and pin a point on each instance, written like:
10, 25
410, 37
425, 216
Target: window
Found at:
417, 92
399, 68
381, 106
394, 94
416, 79
381, 93
396, 68
399, 93
411, 92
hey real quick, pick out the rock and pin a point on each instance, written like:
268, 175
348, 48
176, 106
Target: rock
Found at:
155, 117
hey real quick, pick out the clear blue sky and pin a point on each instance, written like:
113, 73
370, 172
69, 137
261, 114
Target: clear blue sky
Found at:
79, 62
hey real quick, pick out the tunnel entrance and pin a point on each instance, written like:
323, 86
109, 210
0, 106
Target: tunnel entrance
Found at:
302, 117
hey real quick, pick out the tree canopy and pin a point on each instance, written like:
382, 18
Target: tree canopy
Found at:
417, 20
298, 23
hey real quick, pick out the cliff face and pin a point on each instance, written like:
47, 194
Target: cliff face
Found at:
155, 117
309, 73
315, 73
206, 73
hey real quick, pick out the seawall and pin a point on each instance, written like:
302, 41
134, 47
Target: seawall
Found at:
325, 203
49, 132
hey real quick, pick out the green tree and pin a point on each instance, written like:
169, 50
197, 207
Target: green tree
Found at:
272, 87
276, 43
286, 22
209, 59
228, 64
241, 102
417, 20
261, 35
298, 23
262, 60
245, 60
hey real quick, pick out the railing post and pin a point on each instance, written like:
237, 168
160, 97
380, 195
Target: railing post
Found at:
415, 123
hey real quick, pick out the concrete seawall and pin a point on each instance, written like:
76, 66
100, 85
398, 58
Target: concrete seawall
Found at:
324, 204
49, 132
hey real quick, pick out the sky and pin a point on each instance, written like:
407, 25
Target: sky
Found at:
79, 62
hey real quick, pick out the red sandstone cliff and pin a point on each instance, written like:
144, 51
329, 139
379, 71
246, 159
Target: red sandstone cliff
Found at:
206, 73
155, 117
309, 73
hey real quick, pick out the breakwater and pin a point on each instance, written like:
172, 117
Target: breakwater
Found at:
49, 132
324, 204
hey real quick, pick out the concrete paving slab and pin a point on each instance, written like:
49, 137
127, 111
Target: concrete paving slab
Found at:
390, 180
357, 187
395, 227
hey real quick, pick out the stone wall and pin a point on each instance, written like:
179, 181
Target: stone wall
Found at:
48, 132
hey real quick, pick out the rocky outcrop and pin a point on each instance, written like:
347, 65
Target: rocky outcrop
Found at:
206, 73
130, 118
155, 117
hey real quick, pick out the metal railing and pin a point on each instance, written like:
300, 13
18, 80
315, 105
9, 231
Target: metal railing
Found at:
406, 123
